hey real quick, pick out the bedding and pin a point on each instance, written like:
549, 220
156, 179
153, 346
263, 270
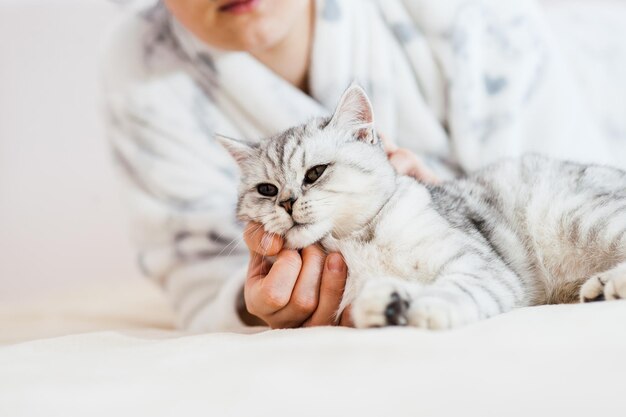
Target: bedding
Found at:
549, 360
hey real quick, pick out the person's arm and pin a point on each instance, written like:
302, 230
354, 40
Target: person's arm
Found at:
181, 192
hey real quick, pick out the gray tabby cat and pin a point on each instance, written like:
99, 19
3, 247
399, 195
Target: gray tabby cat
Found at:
518, 233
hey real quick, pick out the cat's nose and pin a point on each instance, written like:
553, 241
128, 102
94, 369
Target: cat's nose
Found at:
288, 204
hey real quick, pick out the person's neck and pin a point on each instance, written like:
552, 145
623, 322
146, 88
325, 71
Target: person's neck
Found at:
290, 59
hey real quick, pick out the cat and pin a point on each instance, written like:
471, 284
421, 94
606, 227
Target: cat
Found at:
520, 232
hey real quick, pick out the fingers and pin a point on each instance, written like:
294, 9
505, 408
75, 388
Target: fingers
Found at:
346, 317
258, 267
296, 289
388, 145
305, 296
261, 242
407, 163
267, 294
401, 161
333, 283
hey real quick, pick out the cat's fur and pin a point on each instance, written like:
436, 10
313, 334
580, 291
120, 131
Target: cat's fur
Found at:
521, 232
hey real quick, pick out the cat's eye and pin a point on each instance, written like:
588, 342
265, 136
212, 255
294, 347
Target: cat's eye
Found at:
314, 173
268, 190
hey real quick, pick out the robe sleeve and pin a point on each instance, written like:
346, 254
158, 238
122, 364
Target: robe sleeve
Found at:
180, 186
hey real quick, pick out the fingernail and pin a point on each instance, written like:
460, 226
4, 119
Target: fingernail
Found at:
335, 263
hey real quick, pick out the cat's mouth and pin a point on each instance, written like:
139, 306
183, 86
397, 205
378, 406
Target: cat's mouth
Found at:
297, 227
302, 234
299, 224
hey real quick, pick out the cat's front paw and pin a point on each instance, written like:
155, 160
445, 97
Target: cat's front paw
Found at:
609, 285
436, 313
381, 303
392, 302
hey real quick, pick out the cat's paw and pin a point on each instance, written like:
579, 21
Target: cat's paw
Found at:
435, 312
381, 303
609, 285
391, 302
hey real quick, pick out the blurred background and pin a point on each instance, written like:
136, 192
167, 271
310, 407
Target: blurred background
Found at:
62, 222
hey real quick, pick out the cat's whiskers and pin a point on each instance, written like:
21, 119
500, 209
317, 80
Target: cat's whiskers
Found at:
228, 245
241, 239
238, 241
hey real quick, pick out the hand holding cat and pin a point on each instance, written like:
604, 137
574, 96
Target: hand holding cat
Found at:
298, 289
305, 289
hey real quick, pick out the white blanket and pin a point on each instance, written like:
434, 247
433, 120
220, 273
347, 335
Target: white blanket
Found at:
543, 361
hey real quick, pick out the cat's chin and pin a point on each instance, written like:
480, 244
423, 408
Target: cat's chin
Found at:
301, 236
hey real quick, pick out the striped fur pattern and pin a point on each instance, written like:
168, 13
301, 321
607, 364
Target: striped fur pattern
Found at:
518, 233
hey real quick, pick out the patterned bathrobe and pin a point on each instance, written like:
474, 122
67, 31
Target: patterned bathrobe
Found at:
461, 82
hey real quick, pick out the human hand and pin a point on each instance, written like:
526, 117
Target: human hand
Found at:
407, 163
298, 289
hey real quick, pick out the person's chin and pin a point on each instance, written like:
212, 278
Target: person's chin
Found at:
303, 235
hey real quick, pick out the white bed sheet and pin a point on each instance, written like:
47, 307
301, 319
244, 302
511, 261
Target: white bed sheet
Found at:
550, 360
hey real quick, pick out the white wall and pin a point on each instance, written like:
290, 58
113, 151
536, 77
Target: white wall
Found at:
62, 222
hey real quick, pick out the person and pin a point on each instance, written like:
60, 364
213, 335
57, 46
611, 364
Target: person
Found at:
459, 83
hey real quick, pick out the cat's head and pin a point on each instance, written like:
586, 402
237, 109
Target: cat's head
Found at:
329, 176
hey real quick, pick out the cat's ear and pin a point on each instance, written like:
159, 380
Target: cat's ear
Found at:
239, 150
354, 113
